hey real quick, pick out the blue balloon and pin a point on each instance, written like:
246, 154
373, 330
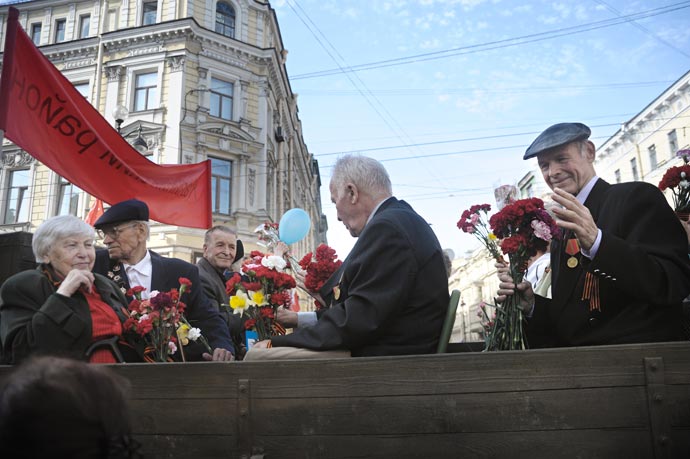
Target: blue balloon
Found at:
294, 226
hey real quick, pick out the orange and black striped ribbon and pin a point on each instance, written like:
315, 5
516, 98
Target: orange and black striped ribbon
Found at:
591, 292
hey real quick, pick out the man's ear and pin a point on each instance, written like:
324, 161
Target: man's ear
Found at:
352, 192
591, 151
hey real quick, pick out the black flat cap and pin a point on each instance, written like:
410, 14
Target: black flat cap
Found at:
557, 135
124, 211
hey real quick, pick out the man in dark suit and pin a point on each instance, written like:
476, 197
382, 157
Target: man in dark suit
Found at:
124, 229
221, 250
391, 293
621, 271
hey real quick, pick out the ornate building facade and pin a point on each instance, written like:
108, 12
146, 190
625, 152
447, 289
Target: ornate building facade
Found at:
184, 81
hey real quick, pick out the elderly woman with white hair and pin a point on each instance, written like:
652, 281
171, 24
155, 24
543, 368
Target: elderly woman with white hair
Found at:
61, 307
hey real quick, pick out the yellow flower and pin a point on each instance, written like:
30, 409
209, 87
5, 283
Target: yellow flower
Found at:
492, 236
257, 298
183, 334
239, 302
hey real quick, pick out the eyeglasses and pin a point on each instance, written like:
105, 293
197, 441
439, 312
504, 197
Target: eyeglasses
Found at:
113, 232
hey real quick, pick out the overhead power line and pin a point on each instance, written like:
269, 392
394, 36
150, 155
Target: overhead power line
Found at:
499, 44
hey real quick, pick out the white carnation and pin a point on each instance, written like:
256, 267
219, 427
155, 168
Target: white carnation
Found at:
194, 334
274, 262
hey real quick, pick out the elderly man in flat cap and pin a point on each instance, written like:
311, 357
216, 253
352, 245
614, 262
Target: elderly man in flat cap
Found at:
124, 229
621, 270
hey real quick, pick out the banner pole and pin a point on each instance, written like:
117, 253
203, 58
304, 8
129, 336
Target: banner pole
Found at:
8, 65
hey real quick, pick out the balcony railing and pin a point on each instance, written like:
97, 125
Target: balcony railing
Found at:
15, 227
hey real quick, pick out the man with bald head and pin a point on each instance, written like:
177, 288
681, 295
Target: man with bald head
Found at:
621, 271
390, 295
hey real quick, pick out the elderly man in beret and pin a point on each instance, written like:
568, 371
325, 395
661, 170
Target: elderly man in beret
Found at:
124, 229
620, 271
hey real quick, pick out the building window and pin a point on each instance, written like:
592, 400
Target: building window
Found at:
221, 99
83, 89
149, 13
633, 167
145, 91
18, 203
651, 150
36, 33
221, 179
111, 23
60, 25
673, 142
68, 198
618, 175
84, 25
225, 19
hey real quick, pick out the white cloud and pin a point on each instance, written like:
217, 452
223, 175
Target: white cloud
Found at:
430, 44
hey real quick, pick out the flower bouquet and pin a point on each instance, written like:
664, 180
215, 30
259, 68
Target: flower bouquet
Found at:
265, 289
474, 221
319, 267
160, 321
524, 228
677, 179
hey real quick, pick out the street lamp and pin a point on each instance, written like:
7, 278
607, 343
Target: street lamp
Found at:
120, 114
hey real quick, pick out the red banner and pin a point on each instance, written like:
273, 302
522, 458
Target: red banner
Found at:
42, 112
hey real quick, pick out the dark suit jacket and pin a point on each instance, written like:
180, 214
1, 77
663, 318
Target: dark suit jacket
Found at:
393, 291
213, 283
35, 319
643, 272
165, 275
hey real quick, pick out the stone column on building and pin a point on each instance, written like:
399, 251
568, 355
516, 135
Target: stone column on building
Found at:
112, 87
174, 66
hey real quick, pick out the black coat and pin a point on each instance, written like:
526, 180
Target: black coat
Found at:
392, 291
165, 275
213, 284
643, 271
36, 319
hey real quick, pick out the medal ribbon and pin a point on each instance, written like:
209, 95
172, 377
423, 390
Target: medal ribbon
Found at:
591, 292
572, 247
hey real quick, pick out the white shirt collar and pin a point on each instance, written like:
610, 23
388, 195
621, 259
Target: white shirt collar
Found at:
584, 192
373, 212
144, 266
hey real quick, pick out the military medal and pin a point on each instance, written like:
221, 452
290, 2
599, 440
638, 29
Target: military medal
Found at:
572, 248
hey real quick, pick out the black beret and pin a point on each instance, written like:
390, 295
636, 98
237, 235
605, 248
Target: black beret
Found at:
239, 251
557, 135
124, 211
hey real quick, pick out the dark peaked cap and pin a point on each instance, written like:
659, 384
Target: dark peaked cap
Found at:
557, 135
124, 211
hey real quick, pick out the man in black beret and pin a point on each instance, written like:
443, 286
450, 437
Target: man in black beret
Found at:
620, 271
124, 229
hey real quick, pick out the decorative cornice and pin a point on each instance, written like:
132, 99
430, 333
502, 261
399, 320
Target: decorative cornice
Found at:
113, 73
78, 64
225, 58
175, 63
17, 159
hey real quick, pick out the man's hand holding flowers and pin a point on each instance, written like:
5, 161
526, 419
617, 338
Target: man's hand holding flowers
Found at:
507, 287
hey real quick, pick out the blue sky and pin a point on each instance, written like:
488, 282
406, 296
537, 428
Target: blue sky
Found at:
449, 93
451, 125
